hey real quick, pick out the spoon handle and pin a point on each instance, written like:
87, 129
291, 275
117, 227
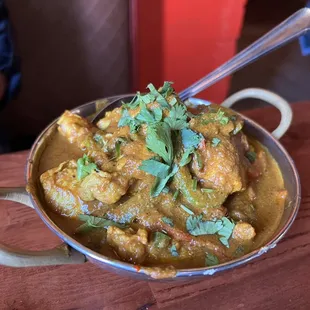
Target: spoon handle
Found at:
294, 26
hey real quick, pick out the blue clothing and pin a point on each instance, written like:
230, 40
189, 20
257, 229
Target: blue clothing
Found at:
9, 62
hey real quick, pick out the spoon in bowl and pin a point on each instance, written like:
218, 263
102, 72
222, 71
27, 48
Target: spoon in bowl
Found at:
291, 28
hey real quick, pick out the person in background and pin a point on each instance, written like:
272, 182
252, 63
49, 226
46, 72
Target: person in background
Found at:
10, 75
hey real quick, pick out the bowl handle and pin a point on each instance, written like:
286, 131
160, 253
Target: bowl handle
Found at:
13, 257
270, 97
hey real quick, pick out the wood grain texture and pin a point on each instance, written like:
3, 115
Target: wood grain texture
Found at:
277, 280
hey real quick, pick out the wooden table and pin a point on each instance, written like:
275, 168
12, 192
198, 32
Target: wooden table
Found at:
277, 280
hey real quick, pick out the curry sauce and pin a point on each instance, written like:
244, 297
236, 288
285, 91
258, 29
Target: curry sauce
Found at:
158, 184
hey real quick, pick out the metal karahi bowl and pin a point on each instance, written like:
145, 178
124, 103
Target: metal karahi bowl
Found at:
73, 252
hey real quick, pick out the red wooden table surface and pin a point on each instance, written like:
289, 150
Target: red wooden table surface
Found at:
277, 280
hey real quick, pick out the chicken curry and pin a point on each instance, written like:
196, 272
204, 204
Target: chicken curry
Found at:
161, 185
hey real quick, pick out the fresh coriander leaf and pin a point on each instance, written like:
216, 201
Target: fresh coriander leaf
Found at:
203, 227
95, 222
155, 168
190, 138
101, 141
187, 210
127, 120
226, 231
118, 149
211, 259
215, 142
173, 101
158, 114
165, 190
251, 156
118, 143
186, 157
152, 89
84, 167
159, 141
167, 221
221, 117
175, 195
161, 183
199, 160
177, 118
162, 101
147, 98
147, 116
192, 222
166, 89
161, 240
195, 184
207, 190
159, 97
133, 103
173, 250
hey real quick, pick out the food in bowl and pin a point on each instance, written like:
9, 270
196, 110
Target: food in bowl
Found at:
159, 184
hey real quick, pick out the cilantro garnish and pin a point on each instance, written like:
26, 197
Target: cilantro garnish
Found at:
161, 183
158, 140
167, 221
84, 167
149, 117
221, 117
187, 210
251, 156
173, 250
95, 222
190, 138
186, 157
222, 227
175, 195
211, 260
199, 160
159, 97
166, 90
161, 240
207, 190
101, 141
215, 142
155, 168
177, 118
127, 120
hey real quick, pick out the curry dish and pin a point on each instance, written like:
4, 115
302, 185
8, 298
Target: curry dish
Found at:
163, 186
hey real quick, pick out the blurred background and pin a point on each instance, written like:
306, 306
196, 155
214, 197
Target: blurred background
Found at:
75, 51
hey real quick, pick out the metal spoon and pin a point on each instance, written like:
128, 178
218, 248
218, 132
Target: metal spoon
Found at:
291, 28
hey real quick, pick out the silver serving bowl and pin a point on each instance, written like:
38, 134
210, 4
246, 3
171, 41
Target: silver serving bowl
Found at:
73, 252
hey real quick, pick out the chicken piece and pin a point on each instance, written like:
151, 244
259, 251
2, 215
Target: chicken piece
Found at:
223, 165
105, 187
129, 246
217, 122
243, 232
60, 187
80, 132
241, 205
221, 168
133, 154
257, 168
